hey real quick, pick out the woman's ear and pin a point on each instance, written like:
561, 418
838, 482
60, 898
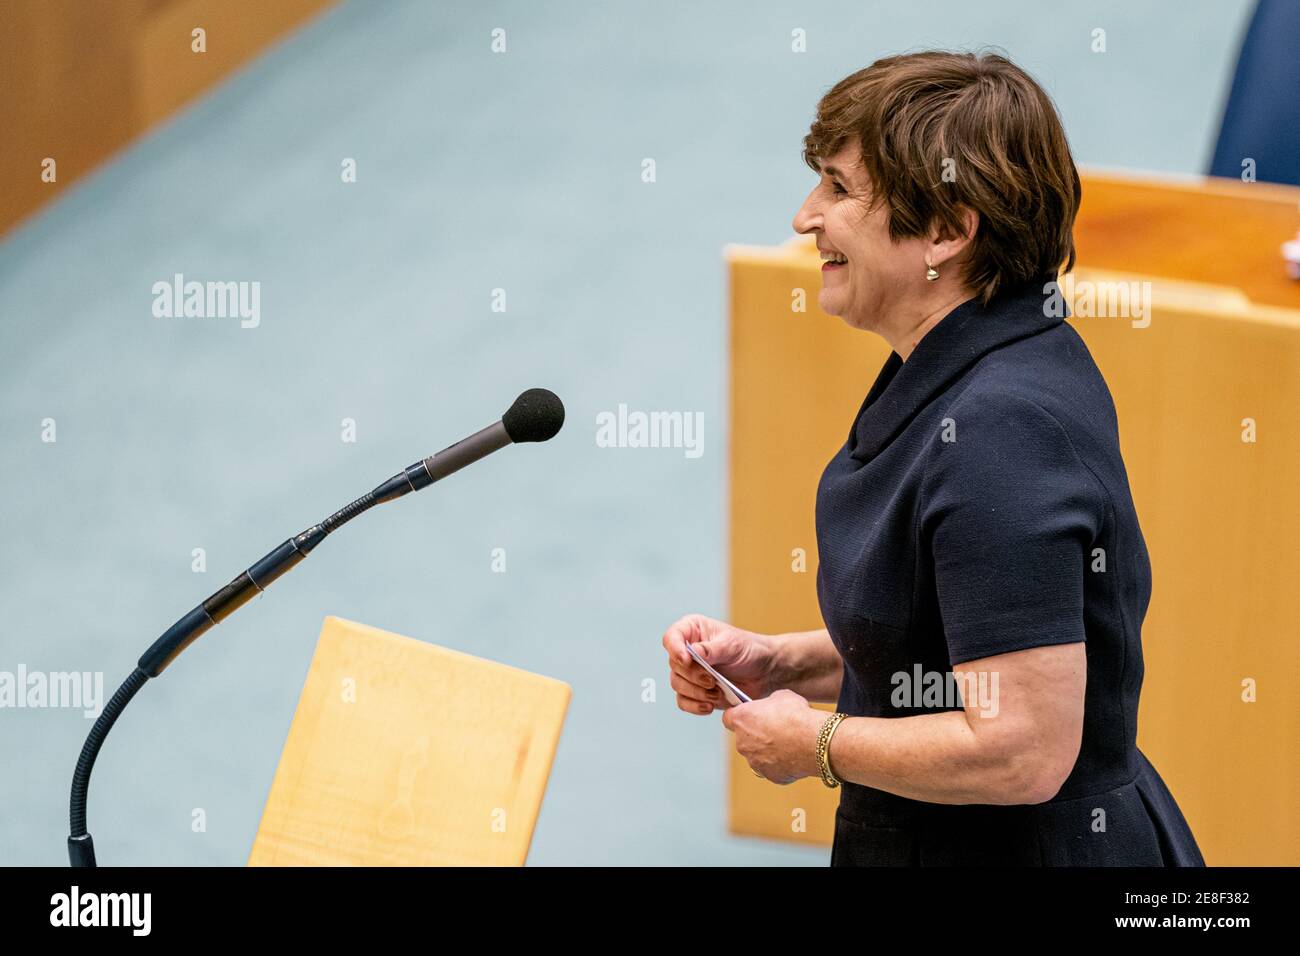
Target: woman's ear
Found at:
947, 245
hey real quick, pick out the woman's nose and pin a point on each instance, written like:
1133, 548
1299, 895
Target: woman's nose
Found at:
807, 219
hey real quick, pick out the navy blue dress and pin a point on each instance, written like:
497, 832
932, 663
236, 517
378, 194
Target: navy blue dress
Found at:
980, 506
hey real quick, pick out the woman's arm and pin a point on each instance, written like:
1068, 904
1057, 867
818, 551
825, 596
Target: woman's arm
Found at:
807, 663
1015, 742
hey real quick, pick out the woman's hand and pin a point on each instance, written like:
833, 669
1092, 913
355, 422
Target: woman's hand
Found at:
746, 658
777, 735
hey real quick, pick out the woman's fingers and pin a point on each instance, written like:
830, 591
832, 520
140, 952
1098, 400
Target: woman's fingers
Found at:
692, 706
688, 630
694, 673
697, 691
684, 631
694, 693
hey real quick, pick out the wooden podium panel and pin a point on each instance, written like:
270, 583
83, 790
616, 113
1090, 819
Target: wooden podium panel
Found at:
1204, 229
796, 381
402, 753
1221, 517
82, 80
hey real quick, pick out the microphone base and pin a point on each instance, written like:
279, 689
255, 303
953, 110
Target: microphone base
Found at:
81, 850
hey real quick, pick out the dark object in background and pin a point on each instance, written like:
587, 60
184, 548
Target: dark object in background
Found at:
1262, 118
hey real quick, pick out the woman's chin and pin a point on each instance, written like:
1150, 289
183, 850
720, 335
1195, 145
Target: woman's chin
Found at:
830, 301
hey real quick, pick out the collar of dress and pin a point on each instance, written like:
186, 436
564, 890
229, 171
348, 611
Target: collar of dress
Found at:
957, 341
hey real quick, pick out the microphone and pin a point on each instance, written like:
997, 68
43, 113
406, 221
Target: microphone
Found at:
536, 415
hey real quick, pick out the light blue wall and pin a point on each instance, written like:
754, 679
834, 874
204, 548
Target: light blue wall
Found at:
476, 171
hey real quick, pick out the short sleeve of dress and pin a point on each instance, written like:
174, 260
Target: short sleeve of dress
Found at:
1008, 514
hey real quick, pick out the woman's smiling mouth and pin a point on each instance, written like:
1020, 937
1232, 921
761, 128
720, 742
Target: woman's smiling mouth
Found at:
832, 260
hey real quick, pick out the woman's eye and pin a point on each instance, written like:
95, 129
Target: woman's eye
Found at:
837, 189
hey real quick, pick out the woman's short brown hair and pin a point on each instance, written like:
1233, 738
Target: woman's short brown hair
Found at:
942, 131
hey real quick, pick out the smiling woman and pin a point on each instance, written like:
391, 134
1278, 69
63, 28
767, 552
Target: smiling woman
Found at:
937, 158
976, 526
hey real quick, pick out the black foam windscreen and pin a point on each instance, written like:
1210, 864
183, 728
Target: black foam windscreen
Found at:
536, 415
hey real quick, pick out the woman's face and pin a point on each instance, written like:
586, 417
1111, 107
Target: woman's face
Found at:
878, 275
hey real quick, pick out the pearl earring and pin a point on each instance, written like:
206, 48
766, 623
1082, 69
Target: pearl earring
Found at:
930, 274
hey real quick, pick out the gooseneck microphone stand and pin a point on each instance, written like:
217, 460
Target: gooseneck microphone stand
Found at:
535, 416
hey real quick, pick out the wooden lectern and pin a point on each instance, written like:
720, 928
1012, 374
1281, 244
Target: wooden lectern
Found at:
402, 753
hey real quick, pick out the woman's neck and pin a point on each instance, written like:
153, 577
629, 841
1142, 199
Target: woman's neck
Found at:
905, 335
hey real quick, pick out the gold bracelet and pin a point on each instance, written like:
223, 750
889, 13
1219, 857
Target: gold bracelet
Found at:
824, 749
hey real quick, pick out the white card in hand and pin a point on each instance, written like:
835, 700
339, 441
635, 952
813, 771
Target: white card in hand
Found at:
730, 691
